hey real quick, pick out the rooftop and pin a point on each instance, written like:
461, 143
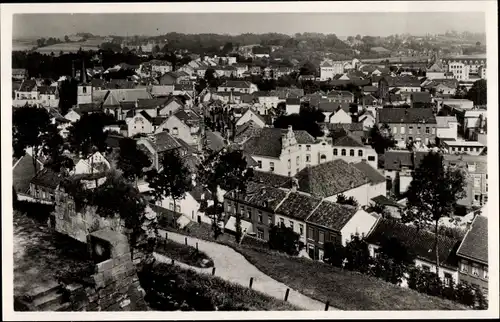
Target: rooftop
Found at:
298, 206
475, 243
332, 215
269, 142
370, 172
406, 115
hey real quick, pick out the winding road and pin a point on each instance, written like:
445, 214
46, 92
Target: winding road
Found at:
233, 267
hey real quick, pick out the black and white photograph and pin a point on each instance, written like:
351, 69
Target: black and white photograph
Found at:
323, 159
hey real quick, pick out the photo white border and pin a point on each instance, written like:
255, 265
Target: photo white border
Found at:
7, 11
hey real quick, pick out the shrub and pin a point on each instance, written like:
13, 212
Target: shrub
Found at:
284, 239
184, 253
35, 210
334, 254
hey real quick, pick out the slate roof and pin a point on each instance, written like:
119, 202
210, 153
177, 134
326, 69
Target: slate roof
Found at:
236, 84
27, 85
152, 103
421, 97
348, 127
246, 130
370, 88
475, 243
47, 90
395, 160
332, 215
260, 196
119, 84
298, 206
88, 108
402, 81
331, 107
47, 178
162, 142
346, 140
272, 179
187, 116
406, 115
214, 141
421, 242
340, 94
292, 101
268, 143
384, 201
127, 95
370, 172
330, 178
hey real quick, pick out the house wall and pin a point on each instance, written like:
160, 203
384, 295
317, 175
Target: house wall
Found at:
299, 226
162, 90
368, 154
183, 131
314, 247
468, 149
269, 100
341, 117
466, 274
170, 108
434, 75
360, 193
187, 206
139, 124
403, 131
84, 94
368, 122
251, 214
319, 150
449, 132
292, 109
43, 193
361, 223
250, 115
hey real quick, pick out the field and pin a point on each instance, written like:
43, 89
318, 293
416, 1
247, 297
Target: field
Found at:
71, 47
169, 287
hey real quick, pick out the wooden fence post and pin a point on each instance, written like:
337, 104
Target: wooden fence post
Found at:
327, 305
251, 282
186, 240
213, 271
286, 294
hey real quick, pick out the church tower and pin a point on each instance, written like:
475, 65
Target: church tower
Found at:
84, 87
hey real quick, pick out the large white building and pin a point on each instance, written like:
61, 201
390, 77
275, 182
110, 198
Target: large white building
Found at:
460, 70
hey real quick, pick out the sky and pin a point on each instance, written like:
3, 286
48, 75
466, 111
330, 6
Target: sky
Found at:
341, 24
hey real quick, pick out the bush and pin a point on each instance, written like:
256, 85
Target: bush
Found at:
284, 239
334, 254
35, 210
184, 253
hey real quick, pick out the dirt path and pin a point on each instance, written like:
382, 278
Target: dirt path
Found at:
233, 267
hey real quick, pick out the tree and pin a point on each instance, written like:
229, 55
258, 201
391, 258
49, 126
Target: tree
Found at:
307, 120
54, 149
31, 126
432, 194
343, 200
173, 180
66, 39
381, 139
308, 69
334, 254
283, 239
225, 169
357, 254
88, 134
132, 160
477, 93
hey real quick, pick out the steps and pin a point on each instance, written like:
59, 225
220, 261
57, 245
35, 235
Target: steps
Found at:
50, 297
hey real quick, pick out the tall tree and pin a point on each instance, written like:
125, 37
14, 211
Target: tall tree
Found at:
478, 92
132, 160
433, 193
283, 239
381, 138
54, 149
31, 126
173, 180
222, 170
88, 133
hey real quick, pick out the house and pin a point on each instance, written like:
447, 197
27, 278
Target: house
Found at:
44, 184
460, 70
184, 88
446, 127
19, 73
23, 172
156, 144
392, 207
267, 99
398, 168
48, 96
328, 69
435, 71
117, 96
251, 115
367, 119
170, 106
26, 94
95, 163
183, 124
473, 254
162, 90
340, 97
404, 83
335, 223
350, 149
142, 122
368, 90
339, 116
330, 109
466, 147
409, 124
421, 243
160, 66
256, 207
284, 152
292, 106
354, 129
330, 179
238, 86
476, 169
378, 186
293, 212
246, 131
420, 99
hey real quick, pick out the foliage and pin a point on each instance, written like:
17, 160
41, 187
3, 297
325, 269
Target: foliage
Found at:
87, 134
283, 239
357, 254
343, 200
173, 180
307, 120
381, 139
478, 92
186, 254
334, 254
308, 69
54, 149
68, 95
31, 126
433, 193
132, 160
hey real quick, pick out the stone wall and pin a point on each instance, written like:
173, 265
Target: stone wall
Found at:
114, 285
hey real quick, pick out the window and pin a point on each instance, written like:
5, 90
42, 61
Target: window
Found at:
178, 208
485, 272
447, 279
228, 207
402, 130
351, 152
249, 213
308, 148
360, 153
308, 158
477, 182
321, 237
395, 130
297, 161
471, 167
260, 233
291, 224
310, 233
410, 130
175, 131
463, 267
271, 166
259, 164
427, 130
371, 158
426, 268
289, 164
335, 152
433, 130
270, 220
418, 129
323, 157
344, 152
260, 217
301, 229
289, 173
84, 90
282, 221
171, 206
475, 270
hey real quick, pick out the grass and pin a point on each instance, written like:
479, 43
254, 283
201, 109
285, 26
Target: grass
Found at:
345, 290
184, 253
169, 287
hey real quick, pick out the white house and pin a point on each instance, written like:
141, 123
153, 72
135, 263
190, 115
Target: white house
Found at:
367, 119
93, 164
251, 115
72, 116
26, 94
447, 127
238, 86
340, 116
351, 150
292, 106
184, 124
461, 146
